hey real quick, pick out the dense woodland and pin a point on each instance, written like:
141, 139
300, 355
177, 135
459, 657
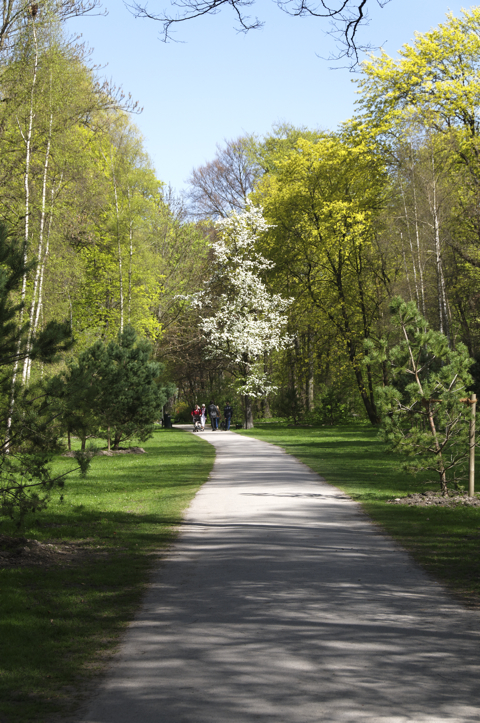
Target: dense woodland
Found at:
386, 206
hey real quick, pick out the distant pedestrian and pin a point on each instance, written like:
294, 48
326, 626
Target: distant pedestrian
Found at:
228, 414
203, 416
196, 414
212, 412
219, 416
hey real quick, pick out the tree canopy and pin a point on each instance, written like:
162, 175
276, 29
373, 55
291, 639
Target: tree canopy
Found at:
269, 283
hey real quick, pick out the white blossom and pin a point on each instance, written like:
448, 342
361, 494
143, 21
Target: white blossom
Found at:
248, 320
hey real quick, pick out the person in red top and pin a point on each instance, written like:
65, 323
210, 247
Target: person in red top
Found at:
196, 418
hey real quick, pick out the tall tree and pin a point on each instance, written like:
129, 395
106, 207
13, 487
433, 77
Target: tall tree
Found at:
322, 200
435, 83
29, 435
14, 13
241, 320
222, 185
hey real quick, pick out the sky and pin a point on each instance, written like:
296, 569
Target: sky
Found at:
215, 83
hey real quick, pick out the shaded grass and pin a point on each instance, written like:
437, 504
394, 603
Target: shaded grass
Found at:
58, 623
445, 541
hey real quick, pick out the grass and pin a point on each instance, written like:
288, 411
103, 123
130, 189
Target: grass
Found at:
445, 541
60, 622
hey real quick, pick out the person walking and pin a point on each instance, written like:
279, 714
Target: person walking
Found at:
219, 416
196, 414
203, 416
228, 414
212, 411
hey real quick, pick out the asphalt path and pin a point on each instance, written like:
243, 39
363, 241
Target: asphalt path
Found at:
282, 603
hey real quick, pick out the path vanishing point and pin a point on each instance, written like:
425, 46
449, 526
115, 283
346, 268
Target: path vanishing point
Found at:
281, 602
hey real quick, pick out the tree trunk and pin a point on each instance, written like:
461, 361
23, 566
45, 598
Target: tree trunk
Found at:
130, 260
309, 388
442, 297
407, 275
247, 402
266, 402
267, 412
417, 236
38, 283
414, 265
119, 244
28, 150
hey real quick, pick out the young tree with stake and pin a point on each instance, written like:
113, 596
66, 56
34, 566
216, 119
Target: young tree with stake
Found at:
424, 413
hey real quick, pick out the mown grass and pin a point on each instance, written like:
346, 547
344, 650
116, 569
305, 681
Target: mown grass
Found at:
445, 541
58, 623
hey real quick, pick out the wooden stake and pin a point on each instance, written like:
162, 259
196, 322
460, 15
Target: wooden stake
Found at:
471, 475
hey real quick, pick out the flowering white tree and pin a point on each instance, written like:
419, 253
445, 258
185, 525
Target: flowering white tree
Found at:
242, 320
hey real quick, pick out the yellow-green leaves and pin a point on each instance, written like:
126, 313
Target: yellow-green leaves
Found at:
436, 80
322, 197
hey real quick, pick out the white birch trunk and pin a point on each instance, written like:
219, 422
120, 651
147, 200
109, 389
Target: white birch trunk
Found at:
28, 149
130, 260
417, 237
120, 272
407, 275
442, 297
36, 301
414, 265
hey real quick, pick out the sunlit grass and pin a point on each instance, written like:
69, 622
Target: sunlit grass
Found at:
57, 623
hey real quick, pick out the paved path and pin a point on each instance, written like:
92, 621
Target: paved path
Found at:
282, 603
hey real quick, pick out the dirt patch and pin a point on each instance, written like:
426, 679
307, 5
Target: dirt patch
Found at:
436, 499
113, 452
23, 552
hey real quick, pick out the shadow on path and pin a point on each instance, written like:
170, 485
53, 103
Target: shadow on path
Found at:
281, 603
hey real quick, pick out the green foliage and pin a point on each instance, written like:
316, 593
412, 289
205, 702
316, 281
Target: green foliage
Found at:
331, 407
59, 620
287, 404
29, 433
79, 390
424, 417
322, 196
111, 388
132, 400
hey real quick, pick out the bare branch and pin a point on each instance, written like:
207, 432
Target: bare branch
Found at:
222, 185
346, 17
14, 12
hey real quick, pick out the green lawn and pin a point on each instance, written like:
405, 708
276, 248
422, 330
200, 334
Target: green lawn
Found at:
58, 623
446, 542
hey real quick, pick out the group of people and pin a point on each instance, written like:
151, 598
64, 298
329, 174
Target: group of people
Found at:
199, 416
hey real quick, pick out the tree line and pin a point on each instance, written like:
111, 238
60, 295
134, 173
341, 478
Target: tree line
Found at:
272, 282
384, 208
94, 250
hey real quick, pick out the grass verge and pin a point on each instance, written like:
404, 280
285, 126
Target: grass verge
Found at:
445, 541
60, 617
